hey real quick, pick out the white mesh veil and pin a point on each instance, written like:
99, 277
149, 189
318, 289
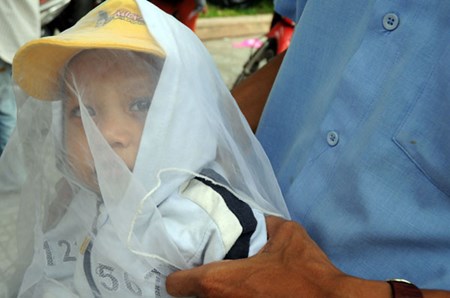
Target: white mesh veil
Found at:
98, 162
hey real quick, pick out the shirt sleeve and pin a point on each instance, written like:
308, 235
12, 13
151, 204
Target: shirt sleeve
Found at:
211, 223
243, 213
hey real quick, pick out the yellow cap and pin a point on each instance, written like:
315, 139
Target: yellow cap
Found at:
115, 24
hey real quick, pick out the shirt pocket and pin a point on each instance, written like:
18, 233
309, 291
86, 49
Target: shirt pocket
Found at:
424, 135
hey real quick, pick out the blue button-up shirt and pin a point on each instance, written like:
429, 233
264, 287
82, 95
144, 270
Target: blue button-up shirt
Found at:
357, 129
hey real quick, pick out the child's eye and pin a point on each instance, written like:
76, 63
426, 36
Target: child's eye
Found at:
76, 111
91, 111
140, 105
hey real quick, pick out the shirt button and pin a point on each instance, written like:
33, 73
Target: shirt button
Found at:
390, 21
332, 138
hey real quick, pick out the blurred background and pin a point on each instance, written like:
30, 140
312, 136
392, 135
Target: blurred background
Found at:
232, 30
58, 15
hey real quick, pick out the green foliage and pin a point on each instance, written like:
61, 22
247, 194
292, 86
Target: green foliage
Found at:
260, 7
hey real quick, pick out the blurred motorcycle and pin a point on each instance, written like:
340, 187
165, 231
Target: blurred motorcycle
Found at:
185, 11
276, 41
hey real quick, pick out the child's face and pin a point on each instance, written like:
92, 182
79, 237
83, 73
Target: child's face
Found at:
116, 93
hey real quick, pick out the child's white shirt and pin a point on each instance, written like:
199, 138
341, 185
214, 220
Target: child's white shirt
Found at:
206, 222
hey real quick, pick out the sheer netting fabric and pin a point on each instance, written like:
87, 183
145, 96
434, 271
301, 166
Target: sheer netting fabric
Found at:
120, 174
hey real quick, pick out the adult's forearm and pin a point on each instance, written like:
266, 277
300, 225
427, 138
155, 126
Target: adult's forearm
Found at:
435, 294
252, 93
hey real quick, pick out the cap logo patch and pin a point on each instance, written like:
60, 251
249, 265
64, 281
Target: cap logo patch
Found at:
121, 14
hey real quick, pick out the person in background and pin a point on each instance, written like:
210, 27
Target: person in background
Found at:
356, 127
19, 23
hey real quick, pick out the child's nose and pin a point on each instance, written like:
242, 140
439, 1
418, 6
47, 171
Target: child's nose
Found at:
116, 132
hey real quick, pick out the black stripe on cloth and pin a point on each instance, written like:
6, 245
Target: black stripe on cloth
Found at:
88, 271
244, 214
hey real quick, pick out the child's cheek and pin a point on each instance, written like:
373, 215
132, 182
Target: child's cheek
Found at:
78, 152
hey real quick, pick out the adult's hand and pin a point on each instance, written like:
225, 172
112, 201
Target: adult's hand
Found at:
289, 265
